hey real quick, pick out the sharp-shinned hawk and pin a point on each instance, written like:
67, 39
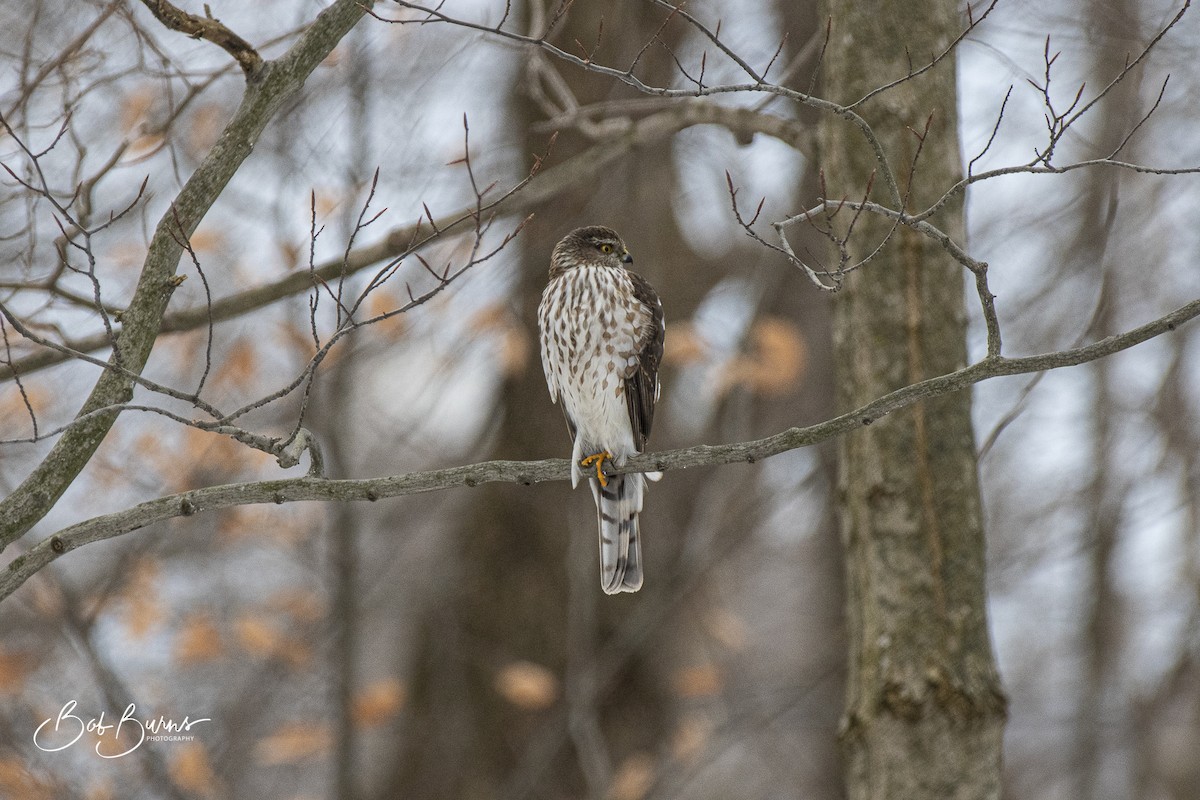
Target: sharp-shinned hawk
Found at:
602, 339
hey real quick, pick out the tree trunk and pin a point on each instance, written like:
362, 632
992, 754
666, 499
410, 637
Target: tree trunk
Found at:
513, 600
1096, 763
924, 708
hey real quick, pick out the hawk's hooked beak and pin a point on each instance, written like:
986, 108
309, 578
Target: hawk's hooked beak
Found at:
626, 258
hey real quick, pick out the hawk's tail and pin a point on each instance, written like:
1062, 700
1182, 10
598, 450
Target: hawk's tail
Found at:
618, 505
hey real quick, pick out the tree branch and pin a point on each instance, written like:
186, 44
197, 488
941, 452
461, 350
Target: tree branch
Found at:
627, 77
550, 182
311, 487
209, 29
275, 84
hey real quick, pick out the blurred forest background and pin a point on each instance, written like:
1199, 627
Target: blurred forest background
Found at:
456, 644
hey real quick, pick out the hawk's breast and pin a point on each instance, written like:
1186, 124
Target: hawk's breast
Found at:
590, 323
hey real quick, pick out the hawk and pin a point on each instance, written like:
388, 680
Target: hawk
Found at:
602, 339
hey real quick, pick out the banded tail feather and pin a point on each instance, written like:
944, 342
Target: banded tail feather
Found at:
617, 508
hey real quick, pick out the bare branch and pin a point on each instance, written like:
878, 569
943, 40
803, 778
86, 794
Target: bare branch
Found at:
995, 130
972, 24
758, 85
48, 66
314, 300
402, 241
714, 37
263, 98
979, 269
1042, 169
209, 29
1162, 90
784, 248
1059, 122
20, 385
310, 488
208, 344
1130, 65
112, 367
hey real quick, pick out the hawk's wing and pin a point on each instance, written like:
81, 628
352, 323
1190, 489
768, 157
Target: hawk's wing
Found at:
567, 417
641, 385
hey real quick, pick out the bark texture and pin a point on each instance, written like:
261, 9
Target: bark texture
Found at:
924, 707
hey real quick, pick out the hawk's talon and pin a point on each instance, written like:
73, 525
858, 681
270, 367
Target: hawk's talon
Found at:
598, 459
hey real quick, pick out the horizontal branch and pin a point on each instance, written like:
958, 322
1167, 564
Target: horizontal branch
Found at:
311, 487
741, 122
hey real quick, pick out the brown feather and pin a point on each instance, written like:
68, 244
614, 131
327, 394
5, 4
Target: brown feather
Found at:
641, 388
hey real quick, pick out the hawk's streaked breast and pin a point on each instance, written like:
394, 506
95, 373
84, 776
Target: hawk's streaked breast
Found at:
591, 326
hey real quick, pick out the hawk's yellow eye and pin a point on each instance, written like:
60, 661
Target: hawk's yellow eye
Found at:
606, 248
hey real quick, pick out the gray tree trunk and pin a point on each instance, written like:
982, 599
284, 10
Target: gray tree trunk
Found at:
925, 710
513, 599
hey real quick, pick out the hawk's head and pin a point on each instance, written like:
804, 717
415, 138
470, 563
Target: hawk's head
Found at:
593, 246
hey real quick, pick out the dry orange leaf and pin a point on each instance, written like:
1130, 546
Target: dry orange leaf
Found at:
260, 523
45, 596
514, 342
264, 640
204, 127
691, 737
335, 56
684, 345
135, 105
527, 685
492, 317
213, 448
379, 702
15, 666
241, 522
289, 254
257, 636
302, 605
207, 240
126, 253
296, 337
14, 414
382, 302
143, 612
702, 680
292, 742
143, 147
295, 652
775, 363
727, 628
17, 781
515, 346
634, 778
198, 640
328, 200
238, 366
143, 616
101, 790
191, 769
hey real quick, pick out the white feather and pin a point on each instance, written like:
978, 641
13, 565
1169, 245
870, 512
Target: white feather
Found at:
589, 347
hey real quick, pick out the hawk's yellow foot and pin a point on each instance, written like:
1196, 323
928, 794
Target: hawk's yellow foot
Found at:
598, 459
